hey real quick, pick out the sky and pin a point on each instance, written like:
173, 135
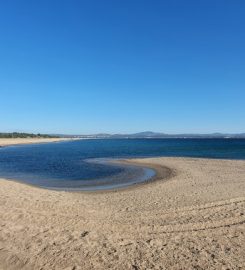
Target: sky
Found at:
122, 66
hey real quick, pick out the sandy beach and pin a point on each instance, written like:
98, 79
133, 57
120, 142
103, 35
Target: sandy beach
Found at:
194, 219
17, 141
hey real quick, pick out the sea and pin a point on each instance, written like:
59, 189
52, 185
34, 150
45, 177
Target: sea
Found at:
94, 164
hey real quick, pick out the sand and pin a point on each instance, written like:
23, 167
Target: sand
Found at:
194, 219
16, 141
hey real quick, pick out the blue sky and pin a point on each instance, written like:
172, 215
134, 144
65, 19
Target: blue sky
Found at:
122, 66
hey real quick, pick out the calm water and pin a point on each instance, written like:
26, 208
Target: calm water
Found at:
85, 164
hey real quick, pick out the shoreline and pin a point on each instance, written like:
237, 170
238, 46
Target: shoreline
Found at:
6, 142
162, 173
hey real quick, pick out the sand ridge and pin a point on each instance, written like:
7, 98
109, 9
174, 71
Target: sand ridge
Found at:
193, 220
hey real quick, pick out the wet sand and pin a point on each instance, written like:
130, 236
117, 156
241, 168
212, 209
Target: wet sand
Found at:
192, 219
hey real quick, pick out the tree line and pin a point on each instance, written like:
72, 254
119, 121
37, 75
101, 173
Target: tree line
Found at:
24, 135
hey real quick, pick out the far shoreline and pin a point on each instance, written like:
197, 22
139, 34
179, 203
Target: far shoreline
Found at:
5, 142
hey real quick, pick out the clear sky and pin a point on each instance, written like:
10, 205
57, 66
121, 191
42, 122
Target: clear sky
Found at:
122, 66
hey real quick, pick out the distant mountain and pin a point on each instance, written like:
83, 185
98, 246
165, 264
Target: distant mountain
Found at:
150, 134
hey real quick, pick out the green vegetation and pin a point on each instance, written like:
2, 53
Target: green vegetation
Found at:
25, 135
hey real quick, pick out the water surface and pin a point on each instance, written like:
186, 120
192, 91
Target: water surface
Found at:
85, 164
